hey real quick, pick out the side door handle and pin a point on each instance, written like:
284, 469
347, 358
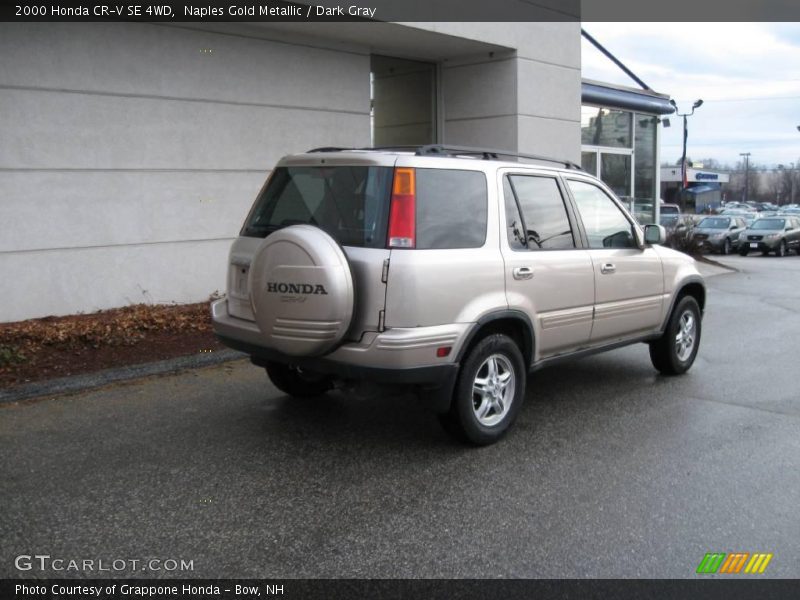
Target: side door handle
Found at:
523, 273
608, 268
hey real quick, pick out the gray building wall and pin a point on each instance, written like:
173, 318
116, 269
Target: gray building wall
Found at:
526, 98
131, 152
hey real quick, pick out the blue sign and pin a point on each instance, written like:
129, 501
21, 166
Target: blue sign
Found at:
707, 176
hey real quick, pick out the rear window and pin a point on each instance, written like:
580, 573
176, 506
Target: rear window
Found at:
451, 208
350, 203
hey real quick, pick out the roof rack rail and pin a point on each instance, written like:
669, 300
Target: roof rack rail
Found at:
327, 149
442, 150
408, 148
488, 154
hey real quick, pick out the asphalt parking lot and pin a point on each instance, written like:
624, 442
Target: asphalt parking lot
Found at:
611, 470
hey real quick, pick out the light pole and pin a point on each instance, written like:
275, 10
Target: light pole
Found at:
746, 172
697, 104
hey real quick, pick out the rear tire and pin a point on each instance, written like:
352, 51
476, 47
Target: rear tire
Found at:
489, 391
674, 352
297, 382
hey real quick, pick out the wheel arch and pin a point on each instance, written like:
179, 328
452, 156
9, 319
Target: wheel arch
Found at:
513, 323
692, 287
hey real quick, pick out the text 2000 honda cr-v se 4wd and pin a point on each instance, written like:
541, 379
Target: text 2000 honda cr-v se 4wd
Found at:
449, 270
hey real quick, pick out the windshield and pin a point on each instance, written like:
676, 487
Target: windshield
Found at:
715, 223
768, 224
349, 203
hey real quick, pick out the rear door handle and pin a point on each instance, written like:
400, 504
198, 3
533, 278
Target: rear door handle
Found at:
523, 273
608, 268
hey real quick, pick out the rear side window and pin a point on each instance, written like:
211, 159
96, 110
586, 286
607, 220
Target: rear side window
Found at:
451, 208
350, 203
544, 219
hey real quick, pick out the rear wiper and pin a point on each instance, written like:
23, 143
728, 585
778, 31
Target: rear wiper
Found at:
260, 229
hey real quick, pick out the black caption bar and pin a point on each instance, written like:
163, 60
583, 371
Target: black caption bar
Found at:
294, 11
390, 589
403, 10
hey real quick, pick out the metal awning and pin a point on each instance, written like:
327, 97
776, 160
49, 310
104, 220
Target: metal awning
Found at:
703, 189
613, 97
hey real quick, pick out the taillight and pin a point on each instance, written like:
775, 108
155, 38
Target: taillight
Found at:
403, 210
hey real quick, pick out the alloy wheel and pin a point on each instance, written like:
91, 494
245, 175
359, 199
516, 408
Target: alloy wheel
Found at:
685, 338
493, 390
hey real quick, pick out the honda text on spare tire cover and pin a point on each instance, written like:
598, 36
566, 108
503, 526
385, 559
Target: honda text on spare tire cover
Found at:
454, 271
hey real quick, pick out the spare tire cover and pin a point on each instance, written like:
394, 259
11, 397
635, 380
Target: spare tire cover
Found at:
301, 290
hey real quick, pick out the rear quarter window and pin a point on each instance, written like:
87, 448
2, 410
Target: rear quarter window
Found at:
452, 208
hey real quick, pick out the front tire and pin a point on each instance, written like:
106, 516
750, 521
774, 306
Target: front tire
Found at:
726, 247
297, 382
674, 352
781, 251
489, 391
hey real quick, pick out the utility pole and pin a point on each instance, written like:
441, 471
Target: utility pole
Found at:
746, 172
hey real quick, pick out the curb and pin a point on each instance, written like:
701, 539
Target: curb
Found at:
87, 381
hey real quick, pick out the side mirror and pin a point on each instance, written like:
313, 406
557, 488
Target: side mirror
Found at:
655, 234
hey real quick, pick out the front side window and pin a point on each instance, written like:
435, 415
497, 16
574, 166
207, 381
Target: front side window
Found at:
605, 224
543, 223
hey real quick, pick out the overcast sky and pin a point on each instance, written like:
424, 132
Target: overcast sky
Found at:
748, 75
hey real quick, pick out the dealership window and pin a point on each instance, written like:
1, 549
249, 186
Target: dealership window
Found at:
619, 147
403, 101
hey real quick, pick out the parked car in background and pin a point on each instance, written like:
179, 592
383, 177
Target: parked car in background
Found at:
749, 216
718, 234
678, 228
669, 209
772, 234
737, 205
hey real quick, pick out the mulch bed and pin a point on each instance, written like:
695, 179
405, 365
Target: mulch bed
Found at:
53, 347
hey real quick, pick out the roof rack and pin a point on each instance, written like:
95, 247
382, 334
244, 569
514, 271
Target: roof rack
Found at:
442, 150
488, 154
409, 148
327, 149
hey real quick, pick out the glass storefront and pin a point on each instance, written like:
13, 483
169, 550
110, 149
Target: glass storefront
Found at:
619, 146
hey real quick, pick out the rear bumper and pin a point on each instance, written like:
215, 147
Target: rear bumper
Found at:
404, 356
